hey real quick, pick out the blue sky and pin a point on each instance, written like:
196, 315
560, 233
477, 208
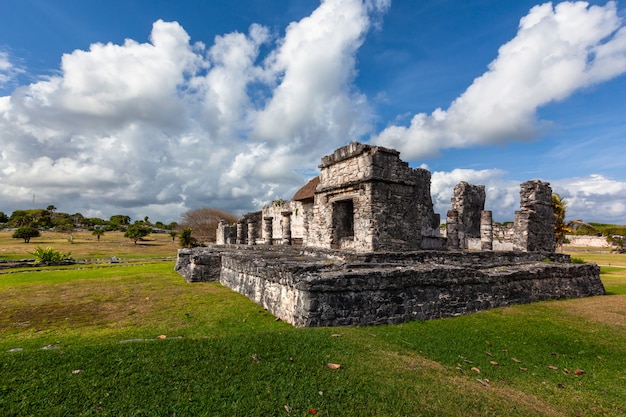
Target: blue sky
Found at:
157, 107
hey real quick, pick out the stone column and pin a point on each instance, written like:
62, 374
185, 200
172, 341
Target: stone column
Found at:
286, 227
267, 230
240, 238
486, 230
220, 233
251, 233
534, 222
452, 229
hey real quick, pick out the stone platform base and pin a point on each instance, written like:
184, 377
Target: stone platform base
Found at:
310, 287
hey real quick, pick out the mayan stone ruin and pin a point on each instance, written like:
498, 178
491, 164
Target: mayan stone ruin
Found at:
361, 245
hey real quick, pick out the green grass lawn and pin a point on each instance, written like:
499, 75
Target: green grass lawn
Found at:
137, 340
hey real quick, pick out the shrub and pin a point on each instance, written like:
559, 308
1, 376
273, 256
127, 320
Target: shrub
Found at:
49, 255
185, 238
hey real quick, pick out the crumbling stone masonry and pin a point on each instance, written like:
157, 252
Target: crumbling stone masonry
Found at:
468, 201
315, 287
360, 245
370, 200
534, 222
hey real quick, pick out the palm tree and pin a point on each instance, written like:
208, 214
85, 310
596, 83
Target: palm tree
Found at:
560, 228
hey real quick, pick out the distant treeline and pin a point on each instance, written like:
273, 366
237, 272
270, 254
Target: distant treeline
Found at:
51, 219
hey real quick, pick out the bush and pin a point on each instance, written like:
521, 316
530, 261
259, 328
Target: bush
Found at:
185, 238
49, 255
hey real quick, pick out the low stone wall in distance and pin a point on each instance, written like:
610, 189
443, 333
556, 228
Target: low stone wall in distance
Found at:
333, 288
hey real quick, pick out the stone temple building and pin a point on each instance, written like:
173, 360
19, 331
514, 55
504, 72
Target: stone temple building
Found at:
366, 199
360, 244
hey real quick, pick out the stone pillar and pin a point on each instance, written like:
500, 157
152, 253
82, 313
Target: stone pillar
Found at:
220, 233
452, 229
267, 230
534, 222
486, 230
251, 233
286, 227
468, 201
240, 237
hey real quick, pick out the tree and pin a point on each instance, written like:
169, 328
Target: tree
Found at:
136, 231
21, 218
119, 220
97, 233
185, 239
204, 221
26, 233
3, 217
173, 235
560, 228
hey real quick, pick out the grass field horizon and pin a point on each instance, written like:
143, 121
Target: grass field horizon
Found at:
134, 339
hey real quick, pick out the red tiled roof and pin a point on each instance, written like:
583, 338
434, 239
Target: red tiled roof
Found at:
307, 192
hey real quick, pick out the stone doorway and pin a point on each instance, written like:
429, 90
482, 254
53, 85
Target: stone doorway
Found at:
343, 222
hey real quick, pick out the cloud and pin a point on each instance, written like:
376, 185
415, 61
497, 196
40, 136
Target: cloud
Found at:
557, 51
160, 127
593, 198
313, 68
8, 70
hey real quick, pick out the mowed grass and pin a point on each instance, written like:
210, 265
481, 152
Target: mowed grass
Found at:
137, 340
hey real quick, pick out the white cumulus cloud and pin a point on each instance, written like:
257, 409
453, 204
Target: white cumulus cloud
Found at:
169, 124
557, 51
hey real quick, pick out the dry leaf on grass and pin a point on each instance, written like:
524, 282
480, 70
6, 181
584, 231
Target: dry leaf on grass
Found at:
489, 354
578, 372
77, 371
516, 360
475, 369
494, 363
554, 368
161, 336
484, 382
334, 366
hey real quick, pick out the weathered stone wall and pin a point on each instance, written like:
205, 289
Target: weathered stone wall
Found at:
589, 241
393, 295
297, 220
469, 202
226, 234
308, 287
534, 222
199, 264
368, 199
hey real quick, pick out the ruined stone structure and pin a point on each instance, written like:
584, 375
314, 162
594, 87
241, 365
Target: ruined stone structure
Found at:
534, 222
316, 287
468, 201
360, 245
